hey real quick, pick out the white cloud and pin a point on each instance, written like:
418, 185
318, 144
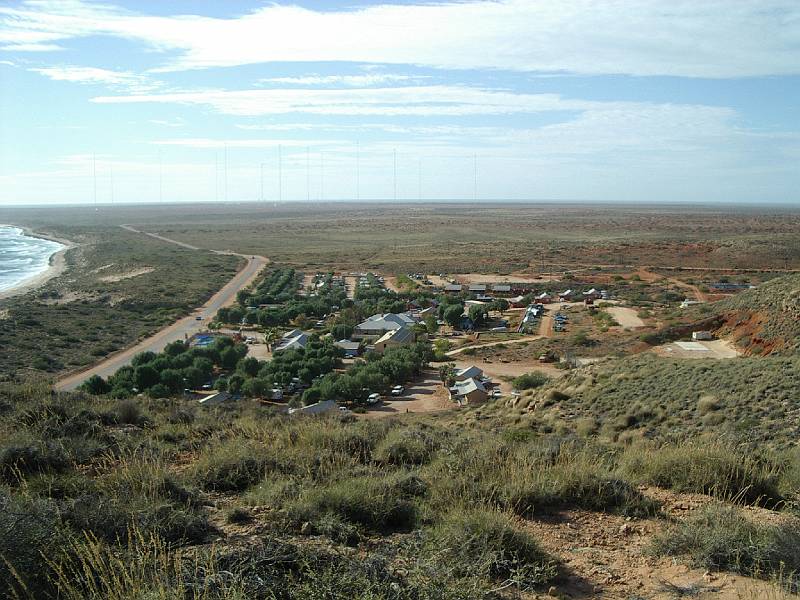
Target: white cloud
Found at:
409, 100
125, 80
712, 38
31, 48
236, 143
367, 80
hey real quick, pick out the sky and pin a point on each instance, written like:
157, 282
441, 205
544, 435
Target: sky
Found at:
240, 100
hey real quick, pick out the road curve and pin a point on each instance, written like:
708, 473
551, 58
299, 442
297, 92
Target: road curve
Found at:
528, 338
179, 330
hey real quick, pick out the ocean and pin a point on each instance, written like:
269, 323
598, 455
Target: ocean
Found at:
23, 256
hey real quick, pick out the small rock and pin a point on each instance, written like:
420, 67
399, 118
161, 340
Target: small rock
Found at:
552, 591
305, 528
625, 529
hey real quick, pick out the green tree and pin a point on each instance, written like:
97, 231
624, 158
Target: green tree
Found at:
477, 313
452, 314
432, 324
145, 377
96, 385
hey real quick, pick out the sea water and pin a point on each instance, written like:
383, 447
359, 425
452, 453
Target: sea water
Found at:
23, 256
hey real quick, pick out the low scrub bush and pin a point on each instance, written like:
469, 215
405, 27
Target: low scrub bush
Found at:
232, 467
405, 447
724, 538
368, 501
486, 543
530, 380
713, 469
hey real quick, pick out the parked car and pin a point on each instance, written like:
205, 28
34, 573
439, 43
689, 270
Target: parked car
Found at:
398, 390
373, 398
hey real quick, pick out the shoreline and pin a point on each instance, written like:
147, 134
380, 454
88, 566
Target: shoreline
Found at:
57, 264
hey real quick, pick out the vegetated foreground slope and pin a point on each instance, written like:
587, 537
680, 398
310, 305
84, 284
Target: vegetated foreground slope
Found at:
163, 499
765, 320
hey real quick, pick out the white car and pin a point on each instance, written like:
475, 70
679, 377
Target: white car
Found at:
497, 393
398, 390
373, 398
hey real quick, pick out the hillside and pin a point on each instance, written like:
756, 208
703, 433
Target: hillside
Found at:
143, 498
765, 320
747, 400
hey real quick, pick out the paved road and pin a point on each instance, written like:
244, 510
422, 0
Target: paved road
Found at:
179, 330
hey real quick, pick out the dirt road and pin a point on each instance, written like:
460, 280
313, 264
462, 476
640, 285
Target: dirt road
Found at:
179, 330
527, 338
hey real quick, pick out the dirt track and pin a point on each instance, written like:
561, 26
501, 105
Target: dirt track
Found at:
179, 330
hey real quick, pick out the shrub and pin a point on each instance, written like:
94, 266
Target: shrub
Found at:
713, 469
486, 543
239, 516
129, 413
231, 467
405, 447
725, 538
34, 457
530, 380
707, 404
366, 501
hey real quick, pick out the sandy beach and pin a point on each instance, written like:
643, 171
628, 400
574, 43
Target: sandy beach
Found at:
58, 264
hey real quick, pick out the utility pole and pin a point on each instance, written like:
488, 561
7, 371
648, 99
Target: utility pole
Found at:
419, 179
358, 171
394, 167
111, 176
160, 177
308, 174
475, 174
225, 172
321, 176
280, 173
261, 179
216, 175
94, 179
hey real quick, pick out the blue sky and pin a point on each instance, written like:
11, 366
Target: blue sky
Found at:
632, 100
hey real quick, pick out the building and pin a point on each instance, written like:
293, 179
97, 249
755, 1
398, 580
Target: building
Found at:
592, 294
702, 336
566, 295
501, 289
214, 399
379, 324
477, 288
291, 340
350, 349
404, 336
469, 391
453, 288
544, 298
472, 372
